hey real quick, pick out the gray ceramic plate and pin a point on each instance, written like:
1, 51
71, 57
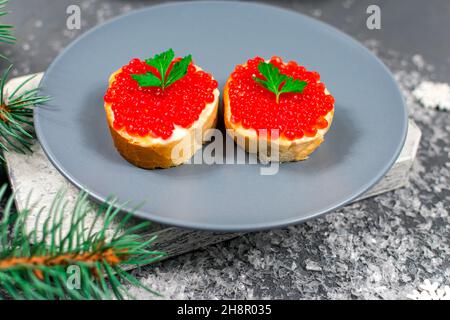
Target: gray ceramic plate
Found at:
365, 139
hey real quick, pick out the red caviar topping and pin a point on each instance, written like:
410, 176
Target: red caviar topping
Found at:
296, 115
150, 110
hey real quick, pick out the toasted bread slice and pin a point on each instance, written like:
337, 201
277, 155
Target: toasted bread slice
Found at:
154, 152
287, 150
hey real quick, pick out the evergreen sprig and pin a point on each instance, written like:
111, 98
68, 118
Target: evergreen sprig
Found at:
6, 30
16, 116
34, 265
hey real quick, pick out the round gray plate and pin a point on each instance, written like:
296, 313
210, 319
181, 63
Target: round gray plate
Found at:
366, 137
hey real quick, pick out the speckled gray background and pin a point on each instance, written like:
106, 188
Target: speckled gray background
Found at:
383, 247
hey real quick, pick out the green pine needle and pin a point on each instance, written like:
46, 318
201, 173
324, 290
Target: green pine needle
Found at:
38, 266
16, 116
6, 35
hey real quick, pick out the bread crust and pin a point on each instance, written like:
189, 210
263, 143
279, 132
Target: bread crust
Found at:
288, 150
151, 153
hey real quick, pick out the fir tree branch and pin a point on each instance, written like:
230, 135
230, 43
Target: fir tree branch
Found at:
35, 266
16, 116
6, 30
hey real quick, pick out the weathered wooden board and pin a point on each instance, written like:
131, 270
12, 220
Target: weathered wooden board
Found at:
35, 182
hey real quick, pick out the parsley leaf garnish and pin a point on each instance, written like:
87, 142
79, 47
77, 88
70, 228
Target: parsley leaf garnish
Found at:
147, 80
179, 70
161, 62
276, 82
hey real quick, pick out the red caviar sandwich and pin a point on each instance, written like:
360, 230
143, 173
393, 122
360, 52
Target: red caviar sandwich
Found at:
154, 106
277, 105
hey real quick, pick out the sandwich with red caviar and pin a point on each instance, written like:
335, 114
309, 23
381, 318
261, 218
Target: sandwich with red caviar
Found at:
278, 105
156, 105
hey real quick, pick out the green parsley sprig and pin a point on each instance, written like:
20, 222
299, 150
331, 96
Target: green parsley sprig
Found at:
276, 82
161, 62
